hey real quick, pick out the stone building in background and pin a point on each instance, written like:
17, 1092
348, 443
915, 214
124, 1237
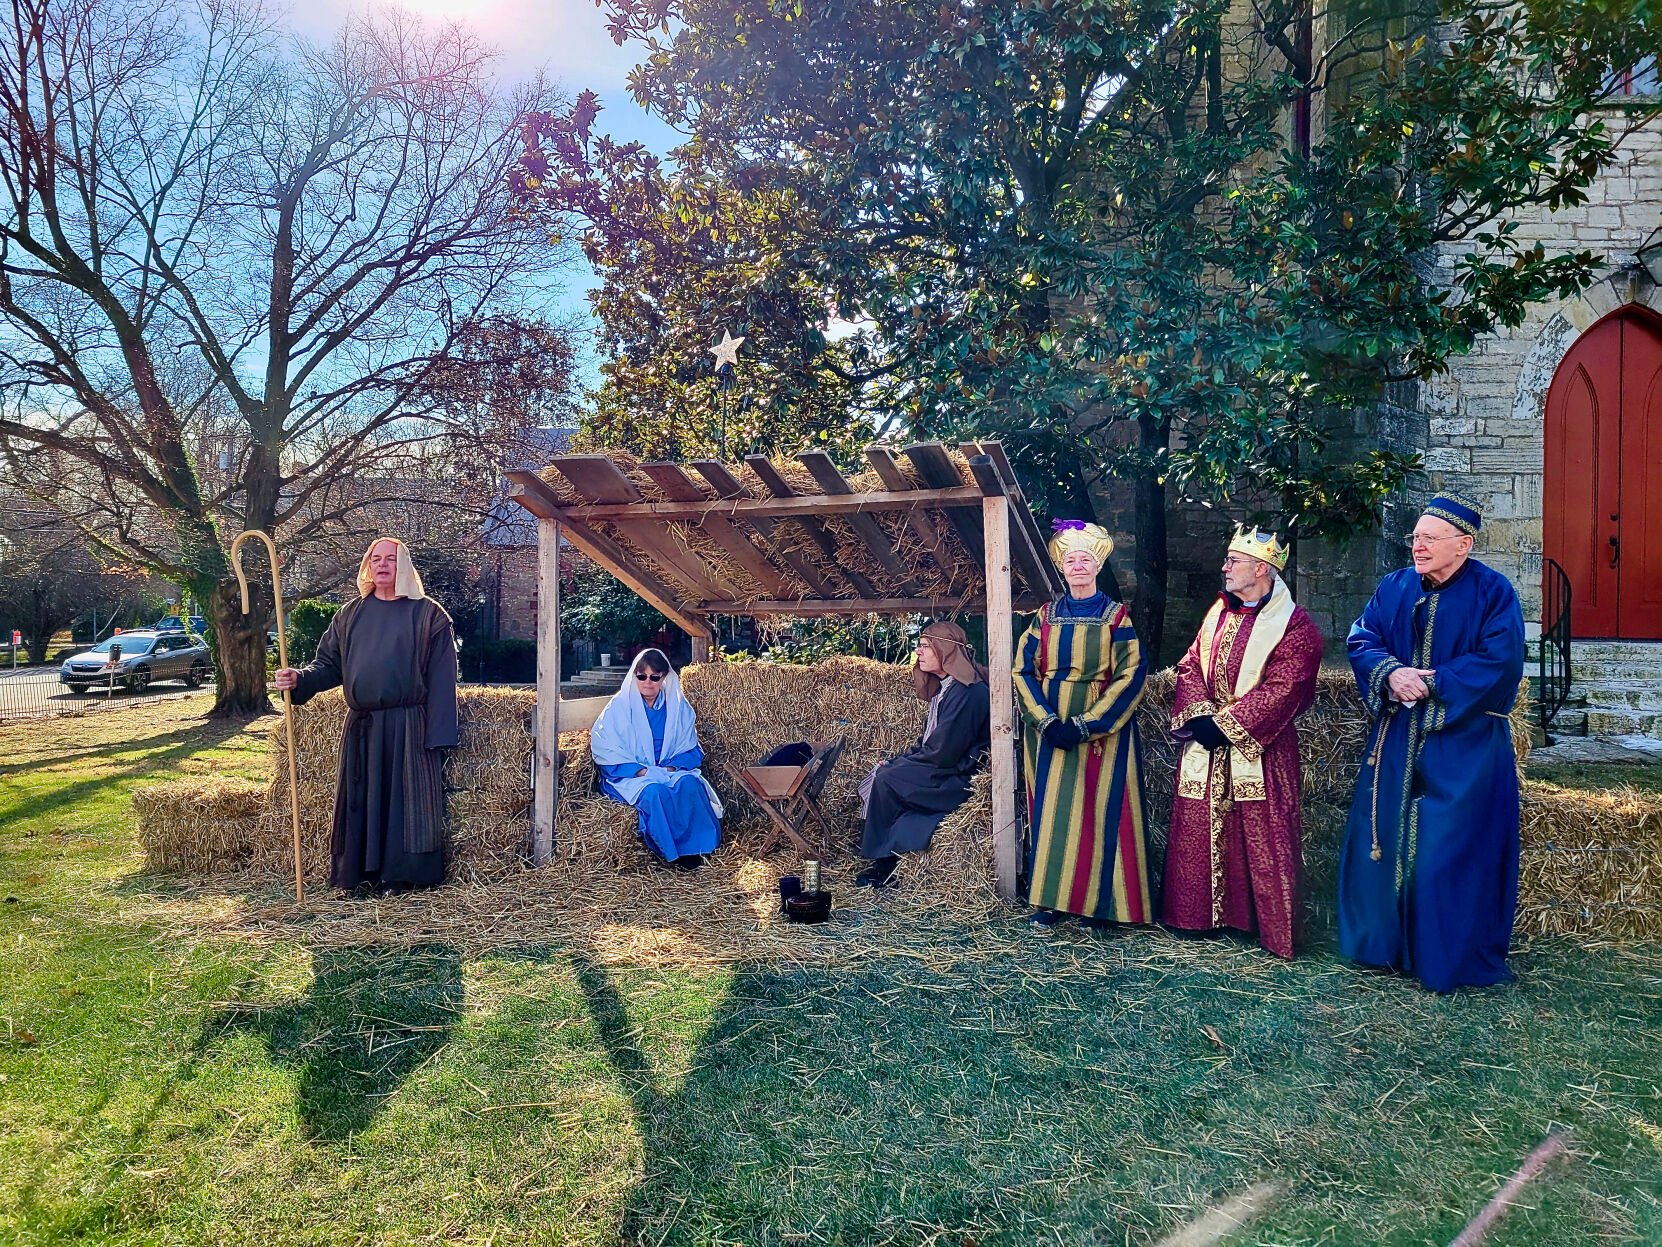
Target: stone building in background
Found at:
1556, 427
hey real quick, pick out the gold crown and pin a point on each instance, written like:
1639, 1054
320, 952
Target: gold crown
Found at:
1259, 545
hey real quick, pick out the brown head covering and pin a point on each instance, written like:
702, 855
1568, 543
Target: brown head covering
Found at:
953, 648
408, 584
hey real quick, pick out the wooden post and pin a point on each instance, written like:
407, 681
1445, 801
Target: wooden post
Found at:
700, 648
545, 786
995, 516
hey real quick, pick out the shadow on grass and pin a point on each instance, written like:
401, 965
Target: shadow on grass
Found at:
1103, 1091
149, 761
369, 1020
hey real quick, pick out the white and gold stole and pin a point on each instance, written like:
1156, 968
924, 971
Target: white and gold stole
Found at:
1246, 764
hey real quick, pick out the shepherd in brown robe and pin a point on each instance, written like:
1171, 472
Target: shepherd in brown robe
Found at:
393, 654
1234, 854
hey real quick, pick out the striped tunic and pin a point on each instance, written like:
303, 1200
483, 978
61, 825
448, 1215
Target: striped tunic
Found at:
1085, 809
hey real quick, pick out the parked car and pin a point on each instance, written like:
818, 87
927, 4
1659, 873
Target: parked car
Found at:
175, 623
146, 655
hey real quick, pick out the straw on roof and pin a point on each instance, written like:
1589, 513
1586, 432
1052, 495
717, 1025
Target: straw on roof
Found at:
940, 571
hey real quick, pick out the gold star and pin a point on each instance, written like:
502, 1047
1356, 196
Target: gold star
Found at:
726, 351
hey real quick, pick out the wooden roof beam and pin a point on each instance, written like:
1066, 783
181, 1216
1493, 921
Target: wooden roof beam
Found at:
1026, 529
867, 529
883, 463
781, 490
935, 465
727, 486
813, 608
787, 507
532, 493
1027, 560
596, 478
679, 487
816, 607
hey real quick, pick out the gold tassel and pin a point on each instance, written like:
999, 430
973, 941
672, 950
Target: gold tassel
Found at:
1378, 752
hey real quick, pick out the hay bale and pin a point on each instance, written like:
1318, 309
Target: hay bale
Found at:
487, 777
600, 833
1522, 733
198, 826
1591, 864
745, 709
956, 874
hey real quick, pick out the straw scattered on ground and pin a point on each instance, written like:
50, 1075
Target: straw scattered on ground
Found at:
1591, 868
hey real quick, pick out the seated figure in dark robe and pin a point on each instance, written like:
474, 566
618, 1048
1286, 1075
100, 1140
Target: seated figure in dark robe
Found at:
645, 745
393, 654
906, 797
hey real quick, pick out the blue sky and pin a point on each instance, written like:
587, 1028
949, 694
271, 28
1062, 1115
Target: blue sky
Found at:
565, 37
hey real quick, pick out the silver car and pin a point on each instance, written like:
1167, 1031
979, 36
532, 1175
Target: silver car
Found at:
144, 656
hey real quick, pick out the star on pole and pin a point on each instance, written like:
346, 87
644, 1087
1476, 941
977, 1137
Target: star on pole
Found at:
726, 351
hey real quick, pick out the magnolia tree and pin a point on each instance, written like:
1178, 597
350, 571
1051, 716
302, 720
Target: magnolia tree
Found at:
249, 283
1176, 244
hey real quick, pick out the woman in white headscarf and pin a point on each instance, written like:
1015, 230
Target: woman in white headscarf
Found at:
393, 654
645, 745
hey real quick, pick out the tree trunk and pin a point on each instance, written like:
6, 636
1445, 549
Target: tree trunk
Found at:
1148, 608
239, 647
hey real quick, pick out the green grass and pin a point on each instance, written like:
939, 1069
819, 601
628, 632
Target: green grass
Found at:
1596, 776
162, 1085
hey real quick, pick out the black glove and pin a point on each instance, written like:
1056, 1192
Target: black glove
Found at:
1063, 734
1206, 731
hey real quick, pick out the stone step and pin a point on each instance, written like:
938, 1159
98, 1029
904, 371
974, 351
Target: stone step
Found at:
1616, 723
1569, 722
1645, 700
586, 688
1587, 680
1647, 652
603, 675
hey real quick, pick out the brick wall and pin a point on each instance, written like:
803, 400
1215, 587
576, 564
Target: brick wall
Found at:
515, 593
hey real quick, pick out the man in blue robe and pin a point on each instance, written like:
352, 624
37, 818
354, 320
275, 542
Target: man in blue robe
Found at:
1428, 879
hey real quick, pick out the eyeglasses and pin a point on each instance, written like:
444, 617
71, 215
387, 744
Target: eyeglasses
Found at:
1421, 539
651, 676
1232, 562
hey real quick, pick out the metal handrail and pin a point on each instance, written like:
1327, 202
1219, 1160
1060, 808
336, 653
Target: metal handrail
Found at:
1553, 686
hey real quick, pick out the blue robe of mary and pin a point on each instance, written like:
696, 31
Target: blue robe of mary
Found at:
1428, 878
675, 818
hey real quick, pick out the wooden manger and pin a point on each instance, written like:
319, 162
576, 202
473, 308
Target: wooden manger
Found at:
923, 530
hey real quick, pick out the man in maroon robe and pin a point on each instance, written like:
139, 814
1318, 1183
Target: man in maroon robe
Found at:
1233, 857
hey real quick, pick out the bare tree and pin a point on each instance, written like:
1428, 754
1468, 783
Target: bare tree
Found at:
49, 576
232, 272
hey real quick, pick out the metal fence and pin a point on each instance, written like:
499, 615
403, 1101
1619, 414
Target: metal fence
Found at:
34, 692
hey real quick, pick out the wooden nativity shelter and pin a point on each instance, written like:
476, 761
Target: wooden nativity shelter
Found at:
925, 529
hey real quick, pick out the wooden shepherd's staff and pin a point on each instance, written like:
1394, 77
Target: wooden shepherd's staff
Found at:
288, 706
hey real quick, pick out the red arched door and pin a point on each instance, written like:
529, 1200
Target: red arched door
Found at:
1602, 508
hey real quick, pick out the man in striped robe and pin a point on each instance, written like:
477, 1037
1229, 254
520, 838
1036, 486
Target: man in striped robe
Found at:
1234, 854
1079, 677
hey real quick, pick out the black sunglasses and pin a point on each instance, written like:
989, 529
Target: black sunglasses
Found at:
648, 675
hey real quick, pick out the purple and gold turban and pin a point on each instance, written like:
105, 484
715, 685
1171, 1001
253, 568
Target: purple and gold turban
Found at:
1071, 535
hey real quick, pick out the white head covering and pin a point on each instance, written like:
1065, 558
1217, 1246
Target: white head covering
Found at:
623, 737
408, 584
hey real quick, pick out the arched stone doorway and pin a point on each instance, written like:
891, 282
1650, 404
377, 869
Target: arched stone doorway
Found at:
1602, 504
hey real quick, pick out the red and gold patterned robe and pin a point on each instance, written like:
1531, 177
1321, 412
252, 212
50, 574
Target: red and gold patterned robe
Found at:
1233, 857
